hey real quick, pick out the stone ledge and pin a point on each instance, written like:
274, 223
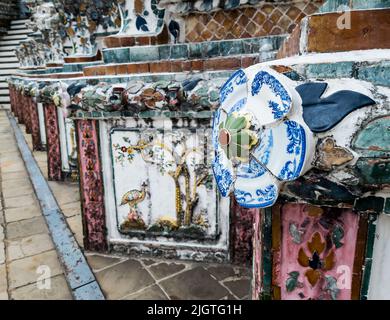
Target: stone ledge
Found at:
230, 63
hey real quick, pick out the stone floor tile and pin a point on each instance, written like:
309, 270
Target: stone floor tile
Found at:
123, 279
2, 252
17, 214
98, 262
18, 191
221, 272
3, 278
3, 295
12, 177
71, 209
152, 293
65, 192
24, 271
240, 288
194, 284
29, 246
148, 262
21, 201
25, 228
58, 290
165, 269
76, 225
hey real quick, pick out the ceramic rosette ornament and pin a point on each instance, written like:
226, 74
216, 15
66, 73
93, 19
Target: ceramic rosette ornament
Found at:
259, 136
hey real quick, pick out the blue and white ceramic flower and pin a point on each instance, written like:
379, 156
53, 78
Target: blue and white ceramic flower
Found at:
284, 145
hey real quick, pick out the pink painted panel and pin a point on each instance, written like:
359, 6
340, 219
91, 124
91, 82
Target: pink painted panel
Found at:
317, 252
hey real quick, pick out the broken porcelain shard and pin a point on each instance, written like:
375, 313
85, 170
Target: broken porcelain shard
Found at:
259, 136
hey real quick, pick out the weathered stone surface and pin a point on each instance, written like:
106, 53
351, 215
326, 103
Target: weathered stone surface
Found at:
3, 295
24, 271
165, 269
18, 191
59, 290
221, 272
20, 202
17, 214
97, 261
152, 293
25, 228
65, 192
29, 246
75, 224
241, 288
123, 279
194, 284
3, 278
71, 209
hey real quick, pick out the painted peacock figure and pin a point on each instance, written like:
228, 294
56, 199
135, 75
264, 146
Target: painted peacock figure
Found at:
132, 198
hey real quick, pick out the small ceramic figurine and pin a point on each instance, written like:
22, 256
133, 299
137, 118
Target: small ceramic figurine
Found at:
264, 131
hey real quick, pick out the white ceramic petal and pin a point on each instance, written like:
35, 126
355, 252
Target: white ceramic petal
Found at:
223, 172
269, 95
255, 187
233, 94
288, 154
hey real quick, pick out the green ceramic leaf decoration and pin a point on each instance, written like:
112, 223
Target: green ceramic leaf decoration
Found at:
292, 281
237, 123
337, 235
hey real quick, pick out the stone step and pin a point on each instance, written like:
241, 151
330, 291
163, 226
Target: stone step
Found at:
19, 31
8, 48
6, 72
9, 66
8, 59
4, 99
368, 65
3, 84
18, 27
200, 50
320, 33
9, 42
4, 92
5, 106
184, 65
9, 53
20, 21
15, 37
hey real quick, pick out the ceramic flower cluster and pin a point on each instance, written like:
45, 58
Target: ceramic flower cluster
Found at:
259, 136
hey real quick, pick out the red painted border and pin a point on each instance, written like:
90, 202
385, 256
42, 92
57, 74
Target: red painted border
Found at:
53, 142
91, 186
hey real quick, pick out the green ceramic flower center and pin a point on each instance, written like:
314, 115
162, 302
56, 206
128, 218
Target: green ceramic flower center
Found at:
224, 137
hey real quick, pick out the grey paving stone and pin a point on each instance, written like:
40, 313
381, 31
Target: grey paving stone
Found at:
58, 290
98, 262
29, 246
240, 288
152, 293
221, 272
25, 271
165, 269
3, 278
25, 228
17, 214
123, 279
148, 262
76, 225
20, 201
195, 284
71, 209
